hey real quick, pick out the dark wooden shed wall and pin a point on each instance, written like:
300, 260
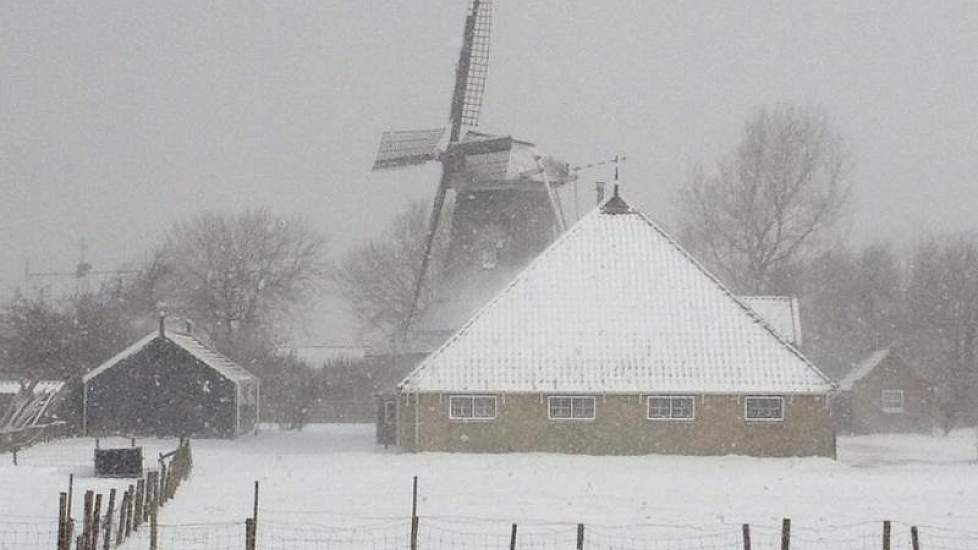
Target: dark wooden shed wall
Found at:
161, 390
860, 410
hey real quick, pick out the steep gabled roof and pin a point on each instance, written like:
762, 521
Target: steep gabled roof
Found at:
781, 312
862, 369
224, 366
616, 306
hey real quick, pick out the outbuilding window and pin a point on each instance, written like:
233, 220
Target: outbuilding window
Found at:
766, 408
671, 407
571, 408
472, 407
892, 401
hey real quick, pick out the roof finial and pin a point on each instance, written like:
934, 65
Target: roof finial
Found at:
162, 325
616, 205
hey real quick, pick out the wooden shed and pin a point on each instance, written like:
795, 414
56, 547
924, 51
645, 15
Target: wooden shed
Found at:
884, 393
170, 384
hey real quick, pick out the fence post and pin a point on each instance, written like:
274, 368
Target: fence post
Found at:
746, 530
130, 505
886, 535
254, 519
62, 519
153, 526
414, 498
137, 506
96, 522
107, 537
580, 536
914, 538
786, 534
14, 453
512, 538
249, 534
123, 506
86, 533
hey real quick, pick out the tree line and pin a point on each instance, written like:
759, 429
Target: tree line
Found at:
770, 218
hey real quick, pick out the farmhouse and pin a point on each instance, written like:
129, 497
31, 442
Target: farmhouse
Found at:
884, 393
169, 383
616, 341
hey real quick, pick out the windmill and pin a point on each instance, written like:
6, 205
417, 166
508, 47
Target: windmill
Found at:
506, 208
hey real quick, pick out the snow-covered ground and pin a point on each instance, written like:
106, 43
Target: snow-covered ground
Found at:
335, 476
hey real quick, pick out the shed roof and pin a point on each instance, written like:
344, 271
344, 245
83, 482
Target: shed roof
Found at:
862, 368
615, 305
224, 366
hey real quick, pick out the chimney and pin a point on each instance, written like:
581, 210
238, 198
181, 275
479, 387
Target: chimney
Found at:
599, 189
190, 327
162, 325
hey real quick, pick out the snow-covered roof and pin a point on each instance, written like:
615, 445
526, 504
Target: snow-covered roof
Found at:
615, 305
864, 367
781, 312
224, 366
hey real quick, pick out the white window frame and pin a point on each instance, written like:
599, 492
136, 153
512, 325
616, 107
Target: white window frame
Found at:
490, 258
670, 418
892, 410
573, 398
473, 418
747, 400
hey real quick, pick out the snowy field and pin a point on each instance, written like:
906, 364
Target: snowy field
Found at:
334, 476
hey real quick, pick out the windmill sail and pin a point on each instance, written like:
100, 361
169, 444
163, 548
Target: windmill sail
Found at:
407, 148
473, 68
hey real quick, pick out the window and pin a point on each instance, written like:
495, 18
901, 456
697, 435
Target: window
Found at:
472, 407
764, 408
671, 407
489, 257
892, 401
571, 408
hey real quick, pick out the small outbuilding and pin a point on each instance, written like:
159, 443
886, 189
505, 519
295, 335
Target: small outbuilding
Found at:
170, 384
616, 341
885, 393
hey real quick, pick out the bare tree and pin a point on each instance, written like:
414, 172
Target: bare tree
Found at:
378, 278
771, 203
942, 301
240, 274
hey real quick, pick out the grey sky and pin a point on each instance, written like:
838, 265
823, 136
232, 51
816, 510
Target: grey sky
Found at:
117, 118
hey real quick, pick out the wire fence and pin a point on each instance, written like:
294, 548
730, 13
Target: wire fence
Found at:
445, 534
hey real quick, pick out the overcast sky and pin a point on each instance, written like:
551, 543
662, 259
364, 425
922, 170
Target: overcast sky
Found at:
117, 118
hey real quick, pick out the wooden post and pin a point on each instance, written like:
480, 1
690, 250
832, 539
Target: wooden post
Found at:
746, 530
163, 477
580, 536
254, 520
786, 534
249, 534
123, 508
414, 498
414, 533
137, 519
86, 533
886, 535
130, 505
107, 539
62, 519
96, 523
153, 526
71, 485
914, 538
512, 538
14, 453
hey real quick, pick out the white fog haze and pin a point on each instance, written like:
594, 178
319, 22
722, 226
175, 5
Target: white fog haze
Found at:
488, 275
118, 119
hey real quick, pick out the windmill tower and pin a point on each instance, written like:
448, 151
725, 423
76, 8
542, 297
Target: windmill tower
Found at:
506, 209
